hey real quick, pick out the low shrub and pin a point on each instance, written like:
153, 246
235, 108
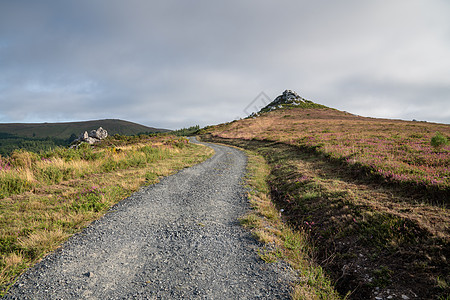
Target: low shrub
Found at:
23, 159
90, 200
136, 159
151, 176
51, 174
109, 165
439, 140
153, 154
86, 152
12, 184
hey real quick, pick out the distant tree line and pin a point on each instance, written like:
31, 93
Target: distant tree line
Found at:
10, 142
186, 131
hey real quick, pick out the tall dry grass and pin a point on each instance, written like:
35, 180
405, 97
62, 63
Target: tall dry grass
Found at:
46, 197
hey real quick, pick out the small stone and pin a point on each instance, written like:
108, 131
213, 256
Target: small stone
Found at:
390, 297
405, 297
89, 274
378, 298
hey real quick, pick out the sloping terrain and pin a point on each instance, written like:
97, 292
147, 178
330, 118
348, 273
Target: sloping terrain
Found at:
371, 194
65, 130
397, 151
178, 239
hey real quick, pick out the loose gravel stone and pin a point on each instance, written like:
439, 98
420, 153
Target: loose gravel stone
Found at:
178, 239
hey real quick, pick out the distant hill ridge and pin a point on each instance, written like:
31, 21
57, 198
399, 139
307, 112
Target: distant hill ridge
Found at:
65, 129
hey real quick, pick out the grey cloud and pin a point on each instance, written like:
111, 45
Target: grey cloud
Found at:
177, 63
393, 99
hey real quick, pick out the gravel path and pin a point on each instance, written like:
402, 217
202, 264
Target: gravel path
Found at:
178, 239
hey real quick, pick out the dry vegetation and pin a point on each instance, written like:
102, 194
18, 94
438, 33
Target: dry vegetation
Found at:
399, 151
282, 242
48, 197
371, 196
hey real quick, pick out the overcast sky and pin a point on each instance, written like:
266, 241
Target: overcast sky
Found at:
176, 63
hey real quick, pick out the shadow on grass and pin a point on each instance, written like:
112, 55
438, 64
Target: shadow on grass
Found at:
373, 237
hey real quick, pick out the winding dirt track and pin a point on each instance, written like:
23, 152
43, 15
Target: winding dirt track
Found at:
178, 239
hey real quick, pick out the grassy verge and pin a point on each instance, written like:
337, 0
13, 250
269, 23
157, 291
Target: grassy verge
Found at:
51, 196
281, 241
373, 240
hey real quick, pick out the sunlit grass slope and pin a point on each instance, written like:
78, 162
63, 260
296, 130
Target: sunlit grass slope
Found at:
367, 197
45, 198
399, 151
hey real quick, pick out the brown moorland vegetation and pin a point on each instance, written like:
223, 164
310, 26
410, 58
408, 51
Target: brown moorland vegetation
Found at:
371, 195
399, 151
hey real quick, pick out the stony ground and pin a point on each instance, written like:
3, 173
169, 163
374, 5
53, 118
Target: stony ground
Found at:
178, 239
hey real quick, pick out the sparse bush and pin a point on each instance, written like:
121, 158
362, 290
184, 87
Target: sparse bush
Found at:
136, 159
439, 140
179, 143
109, 165
23, 159
89, 200
68, 154
250, 221
86, 152
68, 173
51, 174
150, 176
152, 154
186, 131
382, 276
11, 184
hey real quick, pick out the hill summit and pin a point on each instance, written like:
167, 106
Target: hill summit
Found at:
288, 99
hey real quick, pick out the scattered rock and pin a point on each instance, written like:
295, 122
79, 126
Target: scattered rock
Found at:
288, 98
91, 138
405, 297
84, 136
99, 134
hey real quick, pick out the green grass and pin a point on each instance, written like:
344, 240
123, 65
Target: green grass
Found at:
45, 199
11, 184
284, 243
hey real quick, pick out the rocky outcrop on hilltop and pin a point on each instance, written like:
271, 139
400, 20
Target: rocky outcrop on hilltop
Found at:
288, 99
92, 137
